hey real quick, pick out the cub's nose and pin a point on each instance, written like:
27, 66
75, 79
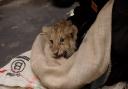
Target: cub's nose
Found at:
56, 54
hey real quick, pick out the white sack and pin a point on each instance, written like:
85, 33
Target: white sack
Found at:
84, 66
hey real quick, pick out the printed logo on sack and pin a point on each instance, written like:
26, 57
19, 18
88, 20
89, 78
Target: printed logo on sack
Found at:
18, 66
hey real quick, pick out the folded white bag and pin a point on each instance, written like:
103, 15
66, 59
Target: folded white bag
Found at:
85, 65
17, 74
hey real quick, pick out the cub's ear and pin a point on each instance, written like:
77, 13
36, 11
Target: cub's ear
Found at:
45, 30
74, 31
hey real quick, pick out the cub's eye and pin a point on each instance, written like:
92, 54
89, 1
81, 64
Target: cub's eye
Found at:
51, 41
61, 39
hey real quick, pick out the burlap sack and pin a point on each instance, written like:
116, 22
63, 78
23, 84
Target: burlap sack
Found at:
84, 66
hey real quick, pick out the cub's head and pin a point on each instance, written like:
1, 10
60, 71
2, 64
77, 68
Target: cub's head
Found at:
61, 38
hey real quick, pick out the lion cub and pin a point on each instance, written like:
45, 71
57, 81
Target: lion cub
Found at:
61, 38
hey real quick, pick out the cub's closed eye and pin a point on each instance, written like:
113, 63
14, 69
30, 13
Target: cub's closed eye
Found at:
61, 39
51, 41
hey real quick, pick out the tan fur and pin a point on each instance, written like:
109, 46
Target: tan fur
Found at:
61, 38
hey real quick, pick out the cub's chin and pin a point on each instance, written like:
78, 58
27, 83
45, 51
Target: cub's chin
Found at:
65, 54
69, 53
